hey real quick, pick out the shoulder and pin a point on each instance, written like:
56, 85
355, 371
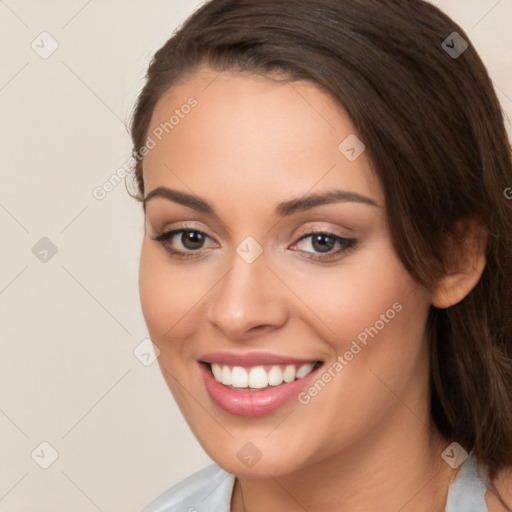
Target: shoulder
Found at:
207, 489
503, 483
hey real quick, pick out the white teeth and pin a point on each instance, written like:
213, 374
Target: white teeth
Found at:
226, 376
275, 376
304, 370
217, 372
239, 377
289, 373
257, 377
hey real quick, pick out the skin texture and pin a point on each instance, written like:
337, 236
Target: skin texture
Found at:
366, 441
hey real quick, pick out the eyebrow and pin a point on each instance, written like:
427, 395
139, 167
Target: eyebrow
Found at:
282, 209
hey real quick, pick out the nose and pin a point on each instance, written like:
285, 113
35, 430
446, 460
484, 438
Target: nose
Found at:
249, 301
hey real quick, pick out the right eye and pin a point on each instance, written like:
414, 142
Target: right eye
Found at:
191, 241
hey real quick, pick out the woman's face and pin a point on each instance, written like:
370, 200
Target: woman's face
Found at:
263, 275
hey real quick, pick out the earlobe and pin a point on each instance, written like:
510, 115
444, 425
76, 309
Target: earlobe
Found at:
466, 253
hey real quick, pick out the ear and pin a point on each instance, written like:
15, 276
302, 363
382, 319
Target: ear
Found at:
466, 247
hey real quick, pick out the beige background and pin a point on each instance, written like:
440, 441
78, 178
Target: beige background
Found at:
69, 326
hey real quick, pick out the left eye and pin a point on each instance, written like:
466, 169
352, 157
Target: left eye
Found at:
324, 243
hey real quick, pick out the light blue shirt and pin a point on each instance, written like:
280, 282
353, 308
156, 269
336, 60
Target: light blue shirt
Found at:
210, 490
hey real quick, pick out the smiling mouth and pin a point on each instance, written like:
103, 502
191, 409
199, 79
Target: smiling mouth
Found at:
261, 377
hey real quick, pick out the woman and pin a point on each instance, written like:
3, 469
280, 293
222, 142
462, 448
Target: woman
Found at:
327, 258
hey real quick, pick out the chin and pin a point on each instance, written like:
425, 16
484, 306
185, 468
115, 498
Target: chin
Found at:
250, 462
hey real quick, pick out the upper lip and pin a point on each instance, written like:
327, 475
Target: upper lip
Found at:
252, 359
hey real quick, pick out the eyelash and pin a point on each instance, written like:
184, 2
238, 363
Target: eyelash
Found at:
346, 243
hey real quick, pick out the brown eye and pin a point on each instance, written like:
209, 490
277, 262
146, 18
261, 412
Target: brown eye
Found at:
192, 240
322, 245
323, 242
183, 243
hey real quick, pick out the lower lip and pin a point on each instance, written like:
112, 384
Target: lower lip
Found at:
253, 403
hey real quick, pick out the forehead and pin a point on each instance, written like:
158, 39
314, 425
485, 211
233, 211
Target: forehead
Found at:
229, 132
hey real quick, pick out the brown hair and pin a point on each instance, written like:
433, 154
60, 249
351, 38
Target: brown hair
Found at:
435, 134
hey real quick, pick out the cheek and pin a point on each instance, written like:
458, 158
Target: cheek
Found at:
352, 297
166, 303
162, 290
376, 315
